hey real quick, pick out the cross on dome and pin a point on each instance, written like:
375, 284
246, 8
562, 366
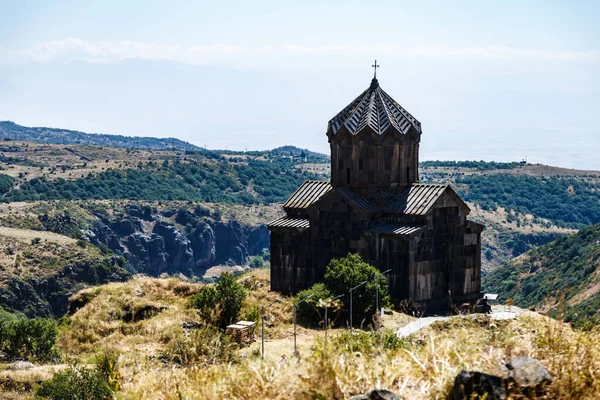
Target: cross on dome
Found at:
375, 66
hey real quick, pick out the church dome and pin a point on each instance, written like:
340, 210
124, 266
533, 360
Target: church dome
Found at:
374, 109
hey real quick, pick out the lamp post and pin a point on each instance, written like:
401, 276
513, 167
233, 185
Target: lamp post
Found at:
262, 322
295, 309
377, 288
351, 290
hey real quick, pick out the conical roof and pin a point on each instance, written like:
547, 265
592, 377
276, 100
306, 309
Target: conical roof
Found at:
376, 110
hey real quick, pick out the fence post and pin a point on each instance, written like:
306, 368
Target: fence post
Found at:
262, 331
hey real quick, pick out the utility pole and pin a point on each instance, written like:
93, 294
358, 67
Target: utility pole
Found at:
352, 290
295, 309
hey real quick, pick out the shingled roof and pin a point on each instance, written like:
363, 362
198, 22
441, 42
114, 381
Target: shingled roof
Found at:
286, 222
375, 109
306, 194
418, 199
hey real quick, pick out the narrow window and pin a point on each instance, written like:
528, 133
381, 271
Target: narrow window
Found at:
347, 175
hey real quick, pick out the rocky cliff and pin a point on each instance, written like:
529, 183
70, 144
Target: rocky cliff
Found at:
153, 243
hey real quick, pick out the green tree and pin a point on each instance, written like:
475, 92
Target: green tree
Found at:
220, 304
28, 338
345, 273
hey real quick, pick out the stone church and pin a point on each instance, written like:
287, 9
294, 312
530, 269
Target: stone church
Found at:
375, 206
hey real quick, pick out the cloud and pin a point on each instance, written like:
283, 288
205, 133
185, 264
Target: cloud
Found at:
265, 57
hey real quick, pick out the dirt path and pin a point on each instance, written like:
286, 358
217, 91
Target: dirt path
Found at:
498, 312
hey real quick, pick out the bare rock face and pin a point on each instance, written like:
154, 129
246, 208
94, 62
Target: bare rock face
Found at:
169, 249
232, 243
377, 394
180, 256
204, 245
100, 233
127, 226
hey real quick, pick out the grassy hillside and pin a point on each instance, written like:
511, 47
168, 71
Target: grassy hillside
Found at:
560, 275
522, 205
141, 324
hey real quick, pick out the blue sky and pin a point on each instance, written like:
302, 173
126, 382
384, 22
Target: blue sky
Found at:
495, 80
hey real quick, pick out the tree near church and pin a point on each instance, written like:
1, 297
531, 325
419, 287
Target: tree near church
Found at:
341, 275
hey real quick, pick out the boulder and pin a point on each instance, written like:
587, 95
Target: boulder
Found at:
377, 394
524, 375
20, 365
468, 385
528, 372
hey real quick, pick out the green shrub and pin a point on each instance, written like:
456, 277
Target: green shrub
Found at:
207, 302
348, 272
32, 339
6, 183
309, 311
257, 262
84, 383
232, 294
220, 304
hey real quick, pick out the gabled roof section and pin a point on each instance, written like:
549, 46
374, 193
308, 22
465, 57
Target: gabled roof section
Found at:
394, 228
375, 109
358, 200
307, 194
286, 222
418, 199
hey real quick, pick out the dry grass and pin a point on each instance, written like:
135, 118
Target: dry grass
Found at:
137, 317
27, 235
422, 367
423, 370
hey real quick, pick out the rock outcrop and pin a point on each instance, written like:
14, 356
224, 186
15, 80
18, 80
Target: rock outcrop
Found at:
180, 257
204, 245
523, 375
168, 249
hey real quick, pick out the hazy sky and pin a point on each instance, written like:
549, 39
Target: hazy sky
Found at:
494, 80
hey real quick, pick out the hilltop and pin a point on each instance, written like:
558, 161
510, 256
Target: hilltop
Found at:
160, 347
10, 130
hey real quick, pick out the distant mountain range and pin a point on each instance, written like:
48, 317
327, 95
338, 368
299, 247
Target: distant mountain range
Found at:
10, 130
